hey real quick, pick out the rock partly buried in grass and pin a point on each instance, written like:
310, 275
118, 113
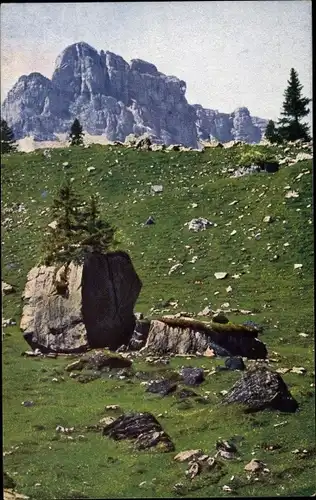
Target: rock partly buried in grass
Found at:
187, 336
74, 307
235, 363
162, 387
141, 427
6, 288
261, 388
192, 376
99, 360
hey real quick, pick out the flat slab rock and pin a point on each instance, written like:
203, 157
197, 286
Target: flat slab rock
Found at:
141, 427
260, 388
97, 361
188, 336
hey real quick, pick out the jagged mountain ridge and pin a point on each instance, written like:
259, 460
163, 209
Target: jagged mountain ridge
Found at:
113, 98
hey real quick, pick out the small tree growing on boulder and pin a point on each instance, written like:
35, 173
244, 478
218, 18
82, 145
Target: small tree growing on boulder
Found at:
78, 230
76, 134
8, 144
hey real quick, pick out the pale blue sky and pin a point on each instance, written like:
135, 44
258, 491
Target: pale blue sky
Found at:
230, 54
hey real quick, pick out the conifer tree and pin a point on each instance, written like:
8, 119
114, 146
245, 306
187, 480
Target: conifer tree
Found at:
76, 134
8, 144
79, 229
294, 109
271, 133
62, 242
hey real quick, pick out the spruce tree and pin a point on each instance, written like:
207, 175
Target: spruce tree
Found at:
76, 134
271, 133
8, 143
79, 229
294, 109
62, 243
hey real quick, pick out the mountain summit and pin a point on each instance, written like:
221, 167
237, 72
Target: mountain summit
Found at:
113, 98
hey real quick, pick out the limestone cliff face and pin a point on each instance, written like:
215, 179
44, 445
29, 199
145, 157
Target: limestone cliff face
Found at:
113, 98
225, 127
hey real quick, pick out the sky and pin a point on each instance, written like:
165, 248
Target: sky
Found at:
229, 53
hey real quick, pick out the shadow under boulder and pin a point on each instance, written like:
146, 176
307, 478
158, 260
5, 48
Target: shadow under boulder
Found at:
260, 388
141, 427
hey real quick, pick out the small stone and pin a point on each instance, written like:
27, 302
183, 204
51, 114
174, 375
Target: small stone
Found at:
299, 370
106, 420
220, 275
220, 318
298, 266
112, 407
303, 334
185, 456
267, 218
229, 289
209, 353
27, 403
227, 488
254, 466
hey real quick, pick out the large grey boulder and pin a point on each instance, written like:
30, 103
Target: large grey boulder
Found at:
91, 305
187, 336
261, 388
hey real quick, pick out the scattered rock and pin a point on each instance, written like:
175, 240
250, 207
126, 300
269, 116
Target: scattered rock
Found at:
254, 466
220, 318
267, 218
303, 156
99, 360
261, 388
162, 387
299, 370
6, 288
149, 221
141, 427
220, 275
226, 449
156, 189
185, 456
209, 353
112, 407
199, 224
192, 376
27, 403
298, 266
106, 421
235, 363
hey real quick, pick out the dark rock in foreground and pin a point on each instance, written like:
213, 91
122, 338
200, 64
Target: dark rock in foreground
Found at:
162, 387
260, 388
235, 363
192, 376
141, 427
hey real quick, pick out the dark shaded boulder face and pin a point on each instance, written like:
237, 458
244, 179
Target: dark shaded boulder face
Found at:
260, 388
141, 427
95, 308
110, 287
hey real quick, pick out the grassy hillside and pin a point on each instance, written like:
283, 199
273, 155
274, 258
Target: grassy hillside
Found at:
241, 243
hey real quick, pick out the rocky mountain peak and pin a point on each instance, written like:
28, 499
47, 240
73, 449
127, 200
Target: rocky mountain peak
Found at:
113, 98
